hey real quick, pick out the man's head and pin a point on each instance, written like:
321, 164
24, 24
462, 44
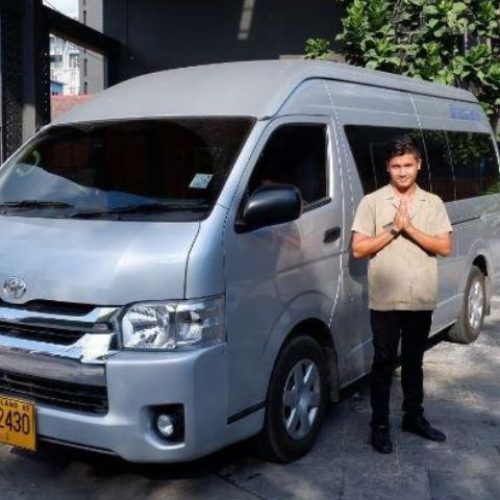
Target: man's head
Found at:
403, 161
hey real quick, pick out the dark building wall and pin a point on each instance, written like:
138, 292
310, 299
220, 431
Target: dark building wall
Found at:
160, 34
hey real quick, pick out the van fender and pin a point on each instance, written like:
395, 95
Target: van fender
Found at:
478, 252
309, 310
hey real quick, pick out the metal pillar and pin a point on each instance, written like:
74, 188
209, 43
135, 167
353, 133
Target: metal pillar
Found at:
11, 107
25, 65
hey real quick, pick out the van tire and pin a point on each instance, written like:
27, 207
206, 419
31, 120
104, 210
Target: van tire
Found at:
470, 320
285, 438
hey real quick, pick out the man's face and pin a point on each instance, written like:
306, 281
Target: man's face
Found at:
403, 170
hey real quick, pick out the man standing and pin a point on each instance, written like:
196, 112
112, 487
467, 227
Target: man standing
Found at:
401, 229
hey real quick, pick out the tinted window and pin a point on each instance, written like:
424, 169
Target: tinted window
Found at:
455, 165
368, 148
439, 164
474, 163
141, 169
294, 154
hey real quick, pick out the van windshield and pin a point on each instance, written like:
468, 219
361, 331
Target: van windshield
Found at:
155, 170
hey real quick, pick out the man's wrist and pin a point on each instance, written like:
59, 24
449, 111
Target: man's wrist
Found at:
391, 228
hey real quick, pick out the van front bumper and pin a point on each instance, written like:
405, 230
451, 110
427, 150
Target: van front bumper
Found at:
138, 383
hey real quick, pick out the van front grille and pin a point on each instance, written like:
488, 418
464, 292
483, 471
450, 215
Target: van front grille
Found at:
41, 334
51, 307
49, 392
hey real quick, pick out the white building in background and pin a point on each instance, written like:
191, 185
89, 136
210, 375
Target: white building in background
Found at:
64, 66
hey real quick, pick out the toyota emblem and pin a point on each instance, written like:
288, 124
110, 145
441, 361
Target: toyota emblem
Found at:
14, 288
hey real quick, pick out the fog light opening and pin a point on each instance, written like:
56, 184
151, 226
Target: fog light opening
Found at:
168, 423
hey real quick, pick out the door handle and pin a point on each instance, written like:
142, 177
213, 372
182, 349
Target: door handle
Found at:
332, 234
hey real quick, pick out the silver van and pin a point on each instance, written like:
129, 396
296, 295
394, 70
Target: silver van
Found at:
175, 273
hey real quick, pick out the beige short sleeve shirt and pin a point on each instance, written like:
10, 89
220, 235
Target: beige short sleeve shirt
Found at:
401, 276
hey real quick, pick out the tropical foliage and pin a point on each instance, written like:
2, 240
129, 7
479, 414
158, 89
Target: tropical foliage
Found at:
448, 41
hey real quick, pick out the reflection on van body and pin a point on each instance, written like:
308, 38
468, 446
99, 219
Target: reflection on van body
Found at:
175, 262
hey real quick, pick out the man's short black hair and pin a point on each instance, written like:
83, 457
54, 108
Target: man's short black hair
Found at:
401, 145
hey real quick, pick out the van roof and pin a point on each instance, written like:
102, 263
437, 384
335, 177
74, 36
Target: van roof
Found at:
252, 88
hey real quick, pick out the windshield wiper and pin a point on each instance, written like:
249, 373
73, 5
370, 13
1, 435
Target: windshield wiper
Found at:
35, 204
141, 208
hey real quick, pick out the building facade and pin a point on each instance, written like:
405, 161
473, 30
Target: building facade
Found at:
157, 35
64, 66
91, 63
56, 88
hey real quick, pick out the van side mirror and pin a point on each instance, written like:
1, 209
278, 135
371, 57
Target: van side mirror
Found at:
270, 205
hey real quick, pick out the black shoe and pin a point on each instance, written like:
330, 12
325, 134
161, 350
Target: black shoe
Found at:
418, 425
381, 439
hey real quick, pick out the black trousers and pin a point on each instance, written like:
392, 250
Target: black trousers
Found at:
388, 327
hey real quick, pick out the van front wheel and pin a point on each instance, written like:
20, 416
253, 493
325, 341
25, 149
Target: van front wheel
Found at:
296, 402
471, 318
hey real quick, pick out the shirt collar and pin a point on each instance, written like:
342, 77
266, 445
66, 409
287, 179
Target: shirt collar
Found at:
389, 194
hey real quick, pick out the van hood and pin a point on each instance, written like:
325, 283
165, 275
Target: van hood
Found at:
95, 262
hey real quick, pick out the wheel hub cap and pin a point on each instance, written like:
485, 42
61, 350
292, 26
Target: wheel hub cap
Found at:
476, 305
301, 398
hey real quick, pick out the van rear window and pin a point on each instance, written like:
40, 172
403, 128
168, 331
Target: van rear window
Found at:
475, 164
170, 169
455, 165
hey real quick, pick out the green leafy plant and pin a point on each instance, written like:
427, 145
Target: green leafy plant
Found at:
447, 41
317, 48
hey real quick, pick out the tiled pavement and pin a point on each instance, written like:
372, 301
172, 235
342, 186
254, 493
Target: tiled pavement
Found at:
462, 399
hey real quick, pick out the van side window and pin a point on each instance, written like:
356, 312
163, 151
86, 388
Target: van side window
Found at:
440, 164
474, 163
294, 154
368, 149
455, 165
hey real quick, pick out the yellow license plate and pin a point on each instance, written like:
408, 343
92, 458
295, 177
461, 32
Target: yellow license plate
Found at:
17, 423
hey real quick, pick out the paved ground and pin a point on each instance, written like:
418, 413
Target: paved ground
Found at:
462, 391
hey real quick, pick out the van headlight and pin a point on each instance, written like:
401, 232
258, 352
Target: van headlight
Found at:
174, 325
